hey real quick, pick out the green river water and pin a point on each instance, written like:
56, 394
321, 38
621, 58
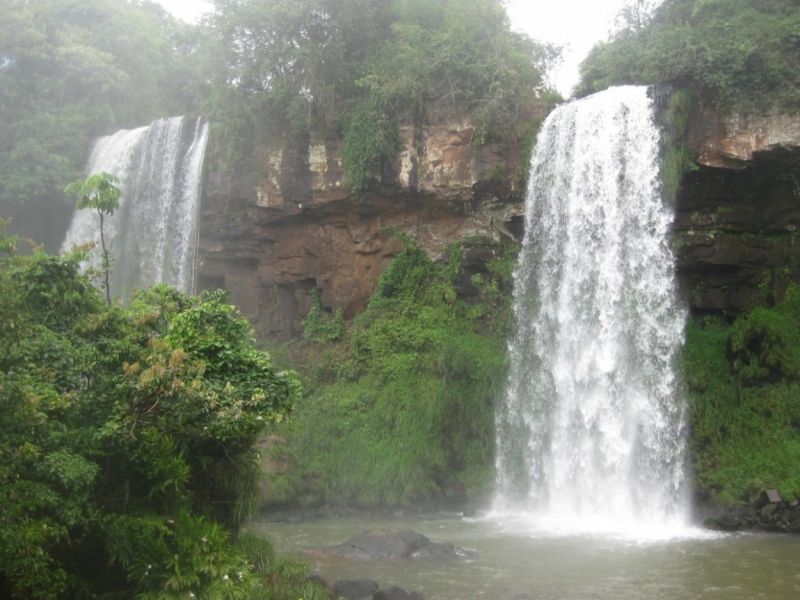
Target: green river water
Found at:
513, 558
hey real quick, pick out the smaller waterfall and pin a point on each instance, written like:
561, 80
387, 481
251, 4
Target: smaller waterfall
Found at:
590, 437
153, 235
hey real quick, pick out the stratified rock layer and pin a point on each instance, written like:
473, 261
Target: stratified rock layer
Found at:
738, 215
271, 238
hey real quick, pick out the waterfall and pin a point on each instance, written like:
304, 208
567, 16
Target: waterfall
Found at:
153, 235
591, 433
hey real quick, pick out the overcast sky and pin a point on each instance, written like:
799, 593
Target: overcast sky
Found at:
576, 24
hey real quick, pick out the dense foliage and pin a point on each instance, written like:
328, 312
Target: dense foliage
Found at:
71, 70
743, 380
127, 461
351, 69
741, 53
400, 408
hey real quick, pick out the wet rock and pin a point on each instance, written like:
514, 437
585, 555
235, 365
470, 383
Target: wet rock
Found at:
358, 589
726, 523
320, 580
391, 544
397, 593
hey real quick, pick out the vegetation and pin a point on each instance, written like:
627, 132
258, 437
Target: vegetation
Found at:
744, 388
678, 158
71, 70
127, 464
101, 193
401, 408
352, 70
740, 53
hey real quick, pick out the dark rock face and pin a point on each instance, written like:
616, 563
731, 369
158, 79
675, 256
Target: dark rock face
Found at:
736, 233
393, 544
738, 215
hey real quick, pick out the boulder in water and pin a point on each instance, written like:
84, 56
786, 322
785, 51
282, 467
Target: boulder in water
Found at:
355, 589
392, 543
397, 593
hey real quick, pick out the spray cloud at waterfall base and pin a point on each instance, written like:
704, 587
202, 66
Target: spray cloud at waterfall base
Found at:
153, 235
591, 431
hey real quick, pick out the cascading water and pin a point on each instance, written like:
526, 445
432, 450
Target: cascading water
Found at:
591, 434
153, 235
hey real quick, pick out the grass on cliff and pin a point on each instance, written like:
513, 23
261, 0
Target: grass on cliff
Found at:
743, 380
400, 408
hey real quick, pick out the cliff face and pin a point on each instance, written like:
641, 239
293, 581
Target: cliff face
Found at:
738, 214
286, 223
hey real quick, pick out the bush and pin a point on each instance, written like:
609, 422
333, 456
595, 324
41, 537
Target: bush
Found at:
744, 392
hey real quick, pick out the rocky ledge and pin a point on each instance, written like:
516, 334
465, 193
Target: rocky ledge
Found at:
382, 544
367, 589
770, 513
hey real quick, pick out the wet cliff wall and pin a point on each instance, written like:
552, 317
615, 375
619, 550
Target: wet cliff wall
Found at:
737, 227
284, 223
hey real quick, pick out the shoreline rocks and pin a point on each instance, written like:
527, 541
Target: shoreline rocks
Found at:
366, 589
770, 513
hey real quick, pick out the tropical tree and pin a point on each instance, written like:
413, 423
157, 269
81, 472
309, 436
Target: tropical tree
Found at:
127, 461
100, 193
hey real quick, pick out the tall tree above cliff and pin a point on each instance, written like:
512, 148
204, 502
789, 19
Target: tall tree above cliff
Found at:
741, 53
351, 68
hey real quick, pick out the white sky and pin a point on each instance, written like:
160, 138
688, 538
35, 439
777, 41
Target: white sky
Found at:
576, 24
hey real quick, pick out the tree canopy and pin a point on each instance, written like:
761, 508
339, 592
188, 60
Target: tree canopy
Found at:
350, 69
742, 54
71, 70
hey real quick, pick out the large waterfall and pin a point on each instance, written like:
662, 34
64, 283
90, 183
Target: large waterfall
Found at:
591, 434
153, 235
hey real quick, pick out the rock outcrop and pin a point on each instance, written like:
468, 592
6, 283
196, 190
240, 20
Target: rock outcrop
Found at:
738, 215
286, 223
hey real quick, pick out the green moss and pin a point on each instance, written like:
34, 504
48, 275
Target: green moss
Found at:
678, 160
319, 325
679, 112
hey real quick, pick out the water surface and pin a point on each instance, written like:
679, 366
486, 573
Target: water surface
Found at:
512, 558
